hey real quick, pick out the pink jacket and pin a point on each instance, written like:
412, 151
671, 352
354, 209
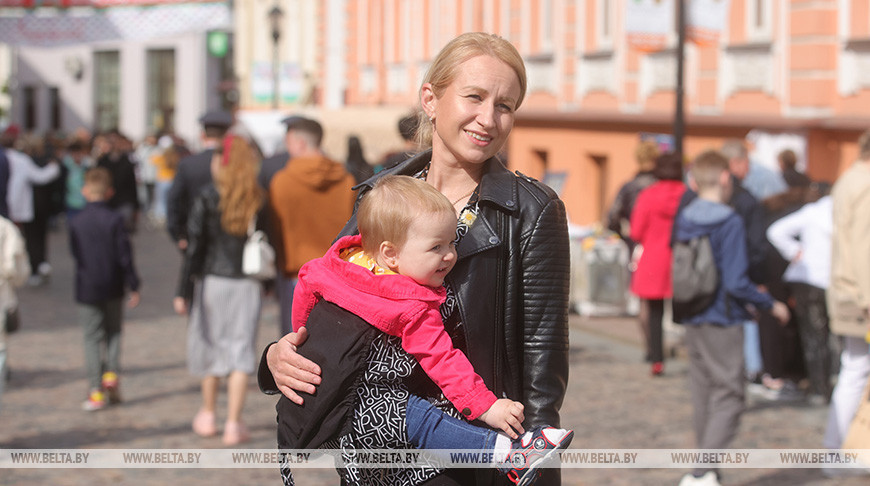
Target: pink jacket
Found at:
398, 306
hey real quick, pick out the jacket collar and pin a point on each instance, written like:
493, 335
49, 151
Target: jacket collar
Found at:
498, 185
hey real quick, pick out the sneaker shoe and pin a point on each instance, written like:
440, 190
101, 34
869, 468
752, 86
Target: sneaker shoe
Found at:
111, 386
96, 401
708, 479
658, 368
44, 269
235, 433
788, 392
533, 450
35, 280
204, 424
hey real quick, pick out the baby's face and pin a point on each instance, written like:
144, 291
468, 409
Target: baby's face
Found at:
428, 253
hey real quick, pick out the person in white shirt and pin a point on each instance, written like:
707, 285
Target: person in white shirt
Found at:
804, 239
23, 175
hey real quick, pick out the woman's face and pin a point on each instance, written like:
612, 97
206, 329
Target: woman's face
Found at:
475, 114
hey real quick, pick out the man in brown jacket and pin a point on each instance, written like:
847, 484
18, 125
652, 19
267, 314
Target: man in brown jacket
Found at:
849, 292
311, 199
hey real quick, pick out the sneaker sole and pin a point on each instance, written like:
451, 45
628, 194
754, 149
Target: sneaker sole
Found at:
532, 473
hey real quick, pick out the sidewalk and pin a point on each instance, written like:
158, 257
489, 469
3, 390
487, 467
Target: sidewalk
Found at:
612, 402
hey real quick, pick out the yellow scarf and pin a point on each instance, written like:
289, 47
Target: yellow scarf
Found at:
357, 256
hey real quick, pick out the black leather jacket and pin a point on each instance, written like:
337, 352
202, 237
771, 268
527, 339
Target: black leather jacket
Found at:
210, 249
511, 280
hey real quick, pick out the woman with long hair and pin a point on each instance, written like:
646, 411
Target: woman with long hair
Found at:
224, 304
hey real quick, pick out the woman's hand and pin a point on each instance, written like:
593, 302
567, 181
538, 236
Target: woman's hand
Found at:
506, 415
780, 312
292, 372
133, 300
180, 305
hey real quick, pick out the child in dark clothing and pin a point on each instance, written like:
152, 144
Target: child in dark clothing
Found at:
714, 337
104, 267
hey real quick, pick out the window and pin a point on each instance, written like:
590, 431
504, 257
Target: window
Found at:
545, 28
29, 94
604, 25
759, 20
505, 20
107, 90
161, 90
362, 46
54, 106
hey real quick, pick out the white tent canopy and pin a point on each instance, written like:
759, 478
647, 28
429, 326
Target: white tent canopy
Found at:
58, 27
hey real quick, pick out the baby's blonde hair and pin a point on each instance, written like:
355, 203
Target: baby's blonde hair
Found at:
388, 209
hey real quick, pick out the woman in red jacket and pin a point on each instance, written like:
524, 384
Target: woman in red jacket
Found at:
651, 222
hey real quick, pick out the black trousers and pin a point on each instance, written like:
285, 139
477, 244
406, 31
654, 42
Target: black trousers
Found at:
811, 317
655, 316
36, 240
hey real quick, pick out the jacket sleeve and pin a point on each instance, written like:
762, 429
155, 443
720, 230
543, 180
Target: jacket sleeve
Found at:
176, 201
783, 234
639, 219
194, 255
424, 337
756, 240
125, 256
617, 210
303, 302
735, 266
41, 175
545, 279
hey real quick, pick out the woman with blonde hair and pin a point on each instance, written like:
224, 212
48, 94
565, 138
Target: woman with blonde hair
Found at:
507, 295
224, 303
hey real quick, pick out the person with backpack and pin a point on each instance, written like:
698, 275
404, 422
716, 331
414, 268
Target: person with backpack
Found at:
714, 332
651, 224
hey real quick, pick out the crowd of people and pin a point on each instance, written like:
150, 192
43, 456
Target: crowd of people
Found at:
442, 259
774, 327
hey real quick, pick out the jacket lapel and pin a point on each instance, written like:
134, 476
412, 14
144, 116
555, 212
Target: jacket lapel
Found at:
498, 193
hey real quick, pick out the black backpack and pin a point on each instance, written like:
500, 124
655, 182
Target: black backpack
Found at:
694, 275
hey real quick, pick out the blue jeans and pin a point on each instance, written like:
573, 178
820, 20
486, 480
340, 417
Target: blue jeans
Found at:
752, 348
430, 428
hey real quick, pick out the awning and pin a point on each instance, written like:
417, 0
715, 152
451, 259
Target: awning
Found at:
139, 21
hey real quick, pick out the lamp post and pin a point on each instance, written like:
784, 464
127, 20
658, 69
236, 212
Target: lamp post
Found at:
679, 113
276, 17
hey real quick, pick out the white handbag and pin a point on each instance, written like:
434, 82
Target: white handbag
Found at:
258, 257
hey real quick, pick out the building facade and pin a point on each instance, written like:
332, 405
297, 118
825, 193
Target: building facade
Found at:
140, 69
767, 69
776, 67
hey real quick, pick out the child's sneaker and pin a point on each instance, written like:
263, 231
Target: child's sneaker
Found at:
96, 401
111, 386
533, 450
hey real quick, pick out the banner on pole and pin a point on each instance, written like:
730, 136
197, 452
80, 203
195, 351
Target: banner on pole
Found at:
705, 21
648, 23
116, 23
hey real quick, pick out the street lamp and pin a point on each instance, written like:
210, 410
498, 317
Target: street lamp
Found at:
276, 17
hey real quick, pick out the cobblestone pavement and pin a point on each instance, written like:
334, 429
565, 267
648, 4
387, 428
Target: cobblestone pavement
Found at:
612, 402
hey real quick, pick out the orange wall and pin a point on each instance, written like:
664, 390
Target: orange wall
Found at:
589, 190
